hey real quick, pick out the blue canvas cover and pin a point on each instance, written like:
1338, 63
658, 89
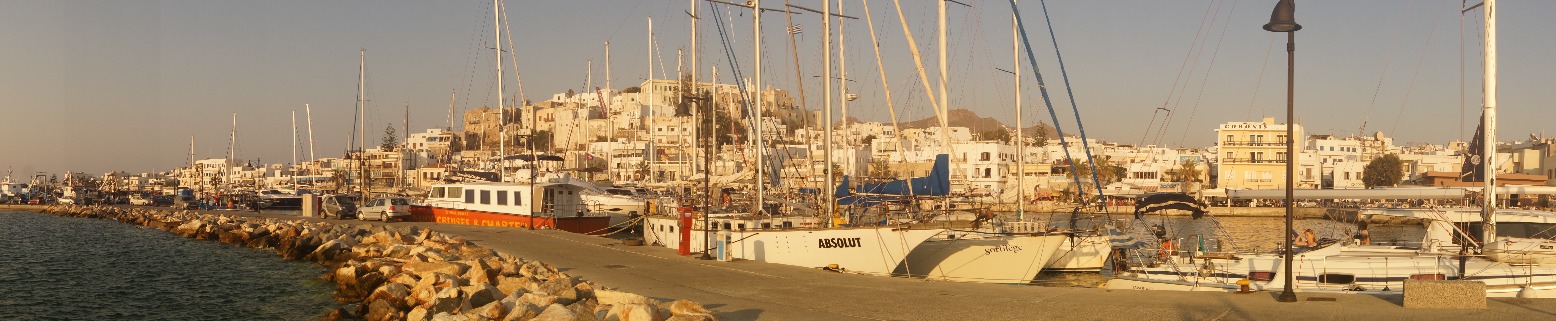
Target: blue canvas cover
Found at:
937, 183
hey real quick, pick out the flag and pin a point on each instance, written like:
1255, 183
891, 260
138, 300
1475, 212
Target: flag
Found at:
795, 29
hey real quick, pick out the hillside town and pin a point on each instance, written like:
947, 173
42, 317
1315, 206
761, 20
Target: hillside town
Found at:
648, 135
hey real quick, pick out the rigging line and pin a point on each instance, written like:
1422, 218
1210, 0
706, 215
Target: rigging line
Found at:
1042, 89
518, 77
1206, 79
1181, 67
1069, 92
1410, 87
1198, 52
1461, 68
1388, 60
1258, 83
880, 66
729, 55
918, 62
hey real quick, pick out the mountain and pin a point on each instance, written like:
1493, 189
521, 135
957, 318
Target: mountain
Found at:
975, 123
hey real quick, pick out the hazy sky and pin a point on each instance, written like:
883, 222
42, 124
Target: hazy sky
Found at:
123, 85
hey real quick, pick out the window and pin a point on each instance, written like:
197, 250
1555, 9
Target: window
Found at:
984, 157
1229, 139
437, 192
518, 199
502, 198
486, 197
987, 173
469, 196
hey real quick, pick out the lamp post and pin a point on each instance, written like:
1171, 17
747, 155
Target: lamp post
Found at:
1282, 20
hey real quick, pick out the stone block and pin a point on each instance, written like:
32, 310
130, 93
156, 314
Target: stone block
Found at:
1445, 294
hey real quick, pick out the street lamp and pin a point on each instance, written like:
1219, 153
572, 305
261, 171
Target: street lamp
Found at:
1282, 20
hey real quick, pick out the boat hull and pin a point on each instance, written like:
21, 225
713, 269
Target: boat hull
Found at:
865, 250
1081, 254
592, 225
995, 259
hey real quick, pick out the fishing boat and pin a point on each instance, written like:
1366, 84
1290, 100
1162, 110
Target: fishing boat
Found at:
510, 205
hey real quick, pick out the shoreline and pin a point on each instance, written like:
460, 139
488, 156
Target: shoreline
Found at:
414, 273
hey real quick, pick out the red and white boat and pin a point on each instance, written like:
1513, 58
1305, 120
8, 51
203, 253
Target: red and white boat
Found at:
560, 206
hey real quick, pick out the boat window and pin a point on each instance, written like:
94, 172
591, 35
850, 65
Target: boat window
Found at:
788, 224
469, 196
767, 226
502, 198
518, 199
455, 191
1527, 230
437, 192
486, 197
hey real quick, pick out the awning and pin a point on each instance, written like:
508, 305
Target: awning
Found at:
1310, 194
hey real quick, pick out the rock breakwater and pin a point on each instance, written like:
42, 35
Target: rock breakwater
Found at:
384, 273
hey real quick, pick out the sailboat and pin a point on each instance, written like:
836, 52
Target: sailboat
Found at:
1517, 260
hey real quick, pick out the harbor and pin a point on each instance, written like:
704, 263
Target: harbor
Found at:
948, 160
749, 290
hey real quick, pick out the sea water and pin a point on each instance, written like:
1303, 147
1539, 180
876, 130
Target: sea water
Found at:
63, 268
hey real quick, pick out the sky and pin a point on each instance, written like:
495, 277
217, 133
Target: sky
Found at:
96, 86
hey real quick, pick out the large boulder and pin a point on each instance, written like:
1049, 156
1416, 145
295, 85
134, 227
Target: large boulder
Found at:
684, 307
383, 310
556, 312
422, 268
619, 298
481, 294
447, 300
396, 293
508, 285
633, 312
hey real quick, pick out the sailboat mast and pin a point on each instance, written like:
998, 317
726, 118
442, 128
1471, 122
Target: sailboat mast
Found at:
650, 161
756, 31
826, 96
502, 140
308, 111
945, 129
1489, 97
294, 151
1021, 156
610, 151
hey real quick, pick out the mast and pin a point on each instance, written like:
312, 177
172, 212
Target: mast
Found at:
232, 151
1021, 156
309, 111
826, 94
610, 150
294, 151
361, 117
945, 129
650, 128
842, 69
756, 31
1488, 210
502, 117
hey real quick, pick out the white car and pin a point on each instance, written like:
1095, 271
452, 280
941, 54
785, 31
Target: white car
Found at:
137, 200
67, 200
385, 209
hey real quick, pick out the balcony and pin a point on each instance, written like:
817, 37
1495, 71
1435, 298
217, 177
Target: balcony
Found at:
1254, 160
1247, 143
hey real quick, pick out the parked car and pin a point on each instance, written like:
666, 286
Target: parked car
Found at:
162, 200
186, 202
339, 206
67, 200
385, 209
137, 200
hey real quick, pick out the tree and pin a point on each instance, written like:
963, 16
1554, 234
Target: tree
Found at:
1383, 171
1107, 172
868, 139
541, 141
999, 134
879, 168
631, 90
1188, 173
683, 107
390, 141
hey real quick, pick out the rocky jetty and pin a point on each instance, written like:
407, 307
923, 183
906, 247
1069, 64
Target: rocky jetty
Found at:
384, 273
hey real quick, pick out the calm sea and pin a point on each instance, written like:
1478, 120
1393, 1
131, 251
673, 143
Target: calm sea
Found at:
88, 269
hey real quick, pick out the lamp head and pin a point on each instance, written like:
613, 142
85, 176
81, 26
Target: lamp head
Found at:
1282, 19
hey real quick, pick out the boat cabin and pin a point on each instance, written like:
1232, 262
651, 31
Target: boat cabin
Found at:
560, 200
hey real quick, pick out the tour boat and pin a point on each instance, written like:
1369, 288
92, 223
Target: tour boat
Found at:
510, 205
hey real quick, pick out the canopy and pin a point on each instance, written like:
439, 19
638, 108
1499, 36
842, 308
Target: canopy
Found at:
937, 183
1169, 201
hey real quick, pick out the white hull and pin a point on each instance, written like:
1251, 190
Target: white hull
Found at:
995, 259
1338, 268
866, 250
1522, 250
614, 203
1081, 254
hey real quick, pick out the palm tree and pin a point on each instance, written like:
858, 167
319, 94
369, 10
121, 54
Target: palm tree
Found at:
1188, 173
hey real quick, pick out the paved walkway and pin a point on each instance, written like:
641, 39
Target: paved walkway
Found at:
750, 290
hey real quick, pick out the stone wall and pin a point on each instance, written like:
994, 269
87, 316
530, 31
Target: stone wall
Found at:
383, 273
